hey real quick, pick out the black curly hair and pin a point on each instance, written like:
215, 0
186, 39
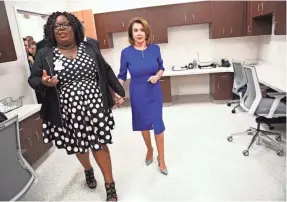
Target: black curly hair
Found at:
74, 22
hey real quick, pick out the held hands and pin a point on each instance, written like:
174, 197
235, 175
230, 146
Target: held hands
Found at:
118, 99
153, 79
48, 81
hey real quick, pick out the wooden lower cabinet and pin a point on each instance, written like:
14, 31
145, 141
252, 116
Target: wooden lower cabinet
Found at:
166, 89
220, 85
31, 139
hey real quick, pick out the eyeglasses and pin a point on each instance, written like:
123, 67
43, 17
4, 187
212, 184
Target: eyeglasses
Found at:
62, 26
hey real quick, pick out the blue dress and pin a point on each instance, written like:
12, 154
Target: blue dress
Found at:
146, 98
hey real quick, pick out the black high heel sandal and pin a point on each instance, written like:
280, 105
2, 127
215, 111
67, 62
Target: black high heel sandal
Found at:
111, 192
90, 179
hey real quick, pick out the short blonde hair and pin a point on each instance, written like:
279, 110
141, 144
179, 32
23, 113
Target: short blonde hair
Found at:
146, 27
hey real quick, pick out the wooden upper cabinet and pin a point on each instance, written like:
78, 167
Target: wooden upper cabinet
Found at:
188, 13
280, 18
260, 8
178, 14
119, 21
87, 17
199, 12
104, 37
156, 17
228, 19
7, 49
236, 19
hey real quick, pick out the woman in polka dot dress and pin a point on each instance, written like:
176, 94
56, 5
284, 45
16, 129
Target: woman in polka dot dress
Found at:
77, 103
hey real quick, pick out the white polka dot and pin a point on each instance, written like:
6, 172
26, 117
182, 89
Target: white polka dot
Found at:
69, 148
76, 149
99, 100
101, 124
56, 134
59, 142
108, 137
79, 134
76, 125
74, 110
93, 137
102, 133
107, 128
67, 139
46, 140
72, 141
81, 126
94, 111
79, 118
101, 115
75, 104
110, 122
96, 146
95, 120
44, 125
97, 106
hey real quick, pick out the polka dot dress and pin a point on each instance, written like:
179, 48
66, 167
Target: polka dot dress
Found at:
86, 124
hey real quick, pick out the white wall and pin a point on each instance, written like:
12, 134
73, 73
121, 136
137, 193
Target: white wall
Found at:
13, 75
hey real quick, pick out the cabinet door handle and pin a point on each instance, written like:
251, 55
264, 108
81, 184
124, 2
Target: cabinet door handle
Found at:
38, 118
104, 42
20, 129
153, 37
222, 30
30, 141
231, 30
123, 24
161, 80
249, 28
192, 16
262, 6
223, 76
37, 134
258, 7
0, 54
184, 16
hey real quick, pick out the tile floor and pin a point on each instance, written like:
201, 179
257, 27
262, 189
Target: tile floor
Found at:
202, 164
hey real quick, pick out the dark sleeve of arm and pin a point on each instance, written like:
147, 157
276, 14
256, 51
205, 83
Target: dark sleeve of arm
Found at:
123, 68
111, 77
35, 78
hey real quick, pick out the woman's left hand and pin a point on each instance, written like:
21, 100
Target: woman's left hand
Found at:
118, 99
153, 79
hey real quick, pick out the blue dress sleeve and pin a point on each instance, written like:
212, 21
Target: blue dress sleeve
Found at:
123, 67
159, 60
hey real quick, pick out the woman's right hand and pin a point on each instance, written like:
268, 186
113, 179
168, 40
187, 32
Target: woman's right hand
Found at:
48, 81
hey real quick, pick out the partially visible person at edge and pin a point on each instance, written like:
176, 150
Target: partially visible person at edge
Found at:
143, 61
75, 82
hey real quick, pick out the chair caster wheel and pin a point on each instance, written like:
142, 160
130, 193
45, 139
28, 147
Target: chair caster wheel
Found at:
271, 127
229, 138
233, 111
246, 153
228, 104
278, 138
280, 153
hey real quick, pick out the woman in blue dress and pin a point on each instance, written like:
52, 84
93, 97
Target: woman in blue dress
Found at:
143, 61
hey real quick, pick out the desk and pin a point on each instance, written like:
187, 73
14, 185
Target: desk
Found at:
270, 76
217, 82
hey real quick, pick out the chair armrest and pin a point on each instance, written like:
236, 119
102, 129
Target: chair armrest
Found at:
277, 94
278, 97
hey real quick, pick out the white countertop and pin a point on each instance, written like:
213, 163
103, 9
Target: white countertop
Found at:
272, 76
169, 72
24, 112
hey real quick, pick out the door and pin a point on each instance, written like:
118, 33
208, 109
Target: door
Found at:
116, 21
218, 26
89, 23
7, 49
177, 15
199, 12
102, 35
280, 18
157, 20
235, 19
